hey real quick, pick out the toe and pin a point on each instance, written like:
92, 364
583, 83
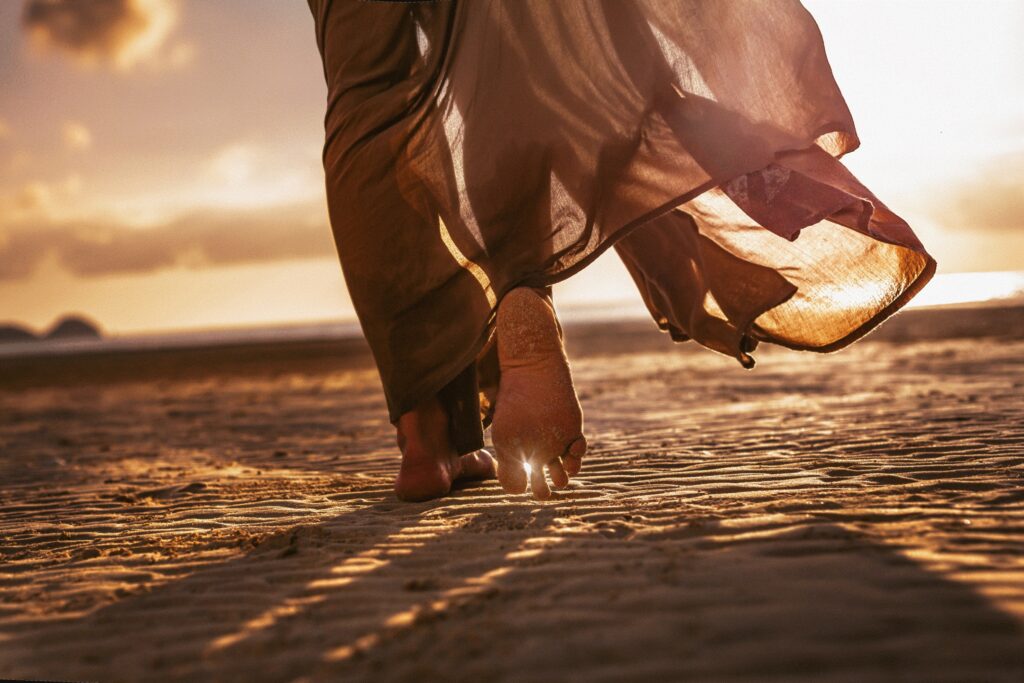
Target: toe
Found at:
539, 483
559, 478
511, 474
477, 465
573, 459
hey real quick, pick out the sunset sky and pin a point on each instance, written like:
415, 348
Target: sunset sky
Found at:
160, 164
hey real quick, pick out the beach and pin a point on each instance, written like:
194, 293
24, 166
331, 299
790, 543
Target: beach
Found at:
225, 513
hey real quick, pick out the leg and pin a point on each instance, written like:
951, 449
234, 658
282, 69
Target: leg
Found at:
430, 463
537, 417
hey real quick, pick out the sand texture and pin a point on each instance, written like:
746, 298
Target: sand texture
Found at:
851, 517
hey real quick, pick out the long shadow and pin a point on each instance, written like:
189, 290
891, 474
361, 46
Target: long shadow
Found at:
493, 588
813, 602
197, 624
192, 599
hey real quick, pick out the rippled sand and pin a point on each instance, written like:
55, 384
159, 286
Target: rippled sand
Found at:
852, 517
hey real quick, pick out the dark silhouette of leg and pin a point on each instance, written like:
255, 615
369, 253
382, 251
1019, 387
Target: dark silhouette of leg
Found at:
430, 464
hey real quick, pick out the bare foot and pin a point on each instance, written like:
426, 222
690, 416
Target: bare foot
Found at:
430, 466
537, 417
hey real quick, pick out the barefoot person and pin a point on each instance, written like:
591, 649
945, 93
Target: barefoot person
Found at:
478, 152
537, 418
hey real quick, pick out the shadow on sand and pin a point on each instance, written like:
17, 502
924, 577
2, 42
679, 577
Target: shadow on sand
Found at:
480, 586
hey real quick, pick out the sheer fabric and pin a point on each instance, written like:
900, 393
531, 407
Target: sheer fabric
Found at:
476, 146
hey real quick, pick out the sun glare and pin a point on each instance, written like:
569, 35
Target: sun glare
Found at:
962, 288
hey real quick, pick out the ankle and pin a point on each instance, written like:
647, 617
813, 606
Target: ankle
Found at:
528, 330
424, 429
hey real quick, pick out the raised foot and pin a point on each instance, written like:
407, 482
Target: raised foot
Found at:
537, 417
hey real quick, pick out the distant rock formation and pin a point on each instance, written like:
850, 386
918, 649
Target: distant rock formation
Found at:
73, 327
68, 327
15, 333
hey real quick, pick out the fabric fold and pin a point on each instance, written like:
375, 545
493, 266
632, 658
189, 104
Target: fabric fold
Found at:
473, 147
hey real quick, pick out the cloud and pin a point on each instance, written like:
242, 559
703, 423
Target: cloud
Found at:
33, 196
991, 201
117, 33
233, 165
210, 238
38, 200
76, 136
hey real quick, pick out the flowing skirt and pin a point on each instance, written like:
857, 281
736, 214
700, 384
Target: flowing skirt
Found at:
477, 146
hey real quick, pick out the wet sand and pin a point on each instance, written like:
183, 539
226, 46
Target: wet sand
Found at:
228, 515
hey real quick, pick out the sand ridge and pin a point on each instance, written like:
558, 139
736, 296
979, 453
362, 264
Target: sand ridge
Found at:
857, 516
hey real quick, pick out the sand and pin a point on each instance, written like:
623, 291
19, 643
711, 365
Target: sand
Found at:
851, 517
